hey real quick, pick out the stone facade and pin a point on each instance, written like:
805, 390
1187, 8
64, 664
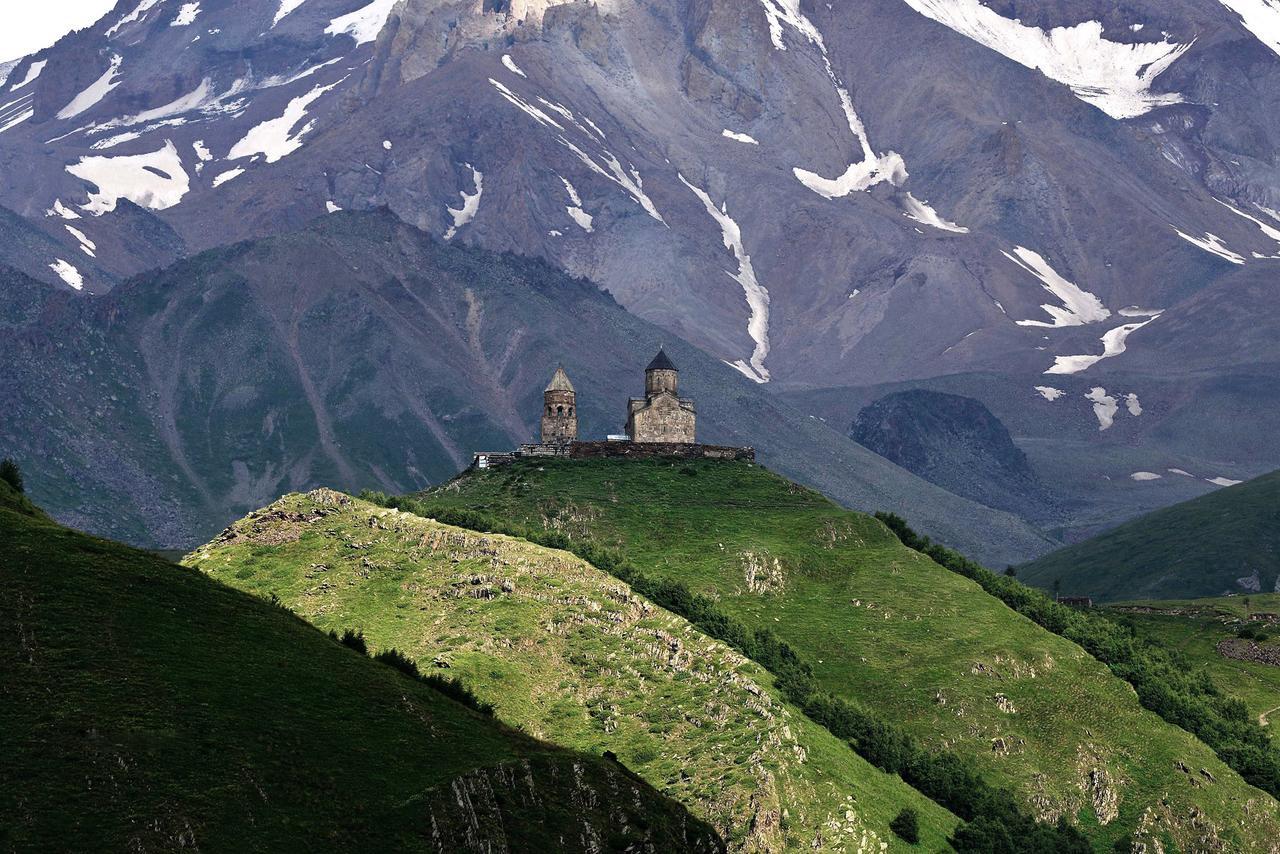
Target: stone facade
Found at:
661, 415
559, 410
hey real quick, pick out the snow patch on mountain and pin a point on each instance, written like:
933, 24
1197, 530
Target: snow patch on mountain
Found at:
155, 180
529, 109
68, 273
1223, 481
922, 213
628, 179
330, 207
739, 137
229, 175
1104, 407
87, 246
1145, 475
757, 295
1181, 472
186, 15
511, 65
61, 210
1260, 17
95, 92
1268, 230
138, 13
1213, 244
576, 213
363, 24
1113, 344
33, 71
470, 204
15, 118
1050, 393
286, 6
1132, 403
1079, 306
275, 138
1115, 77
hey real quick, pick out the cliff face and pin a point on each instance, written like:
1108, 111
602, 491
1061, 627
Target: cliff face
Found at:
956, 443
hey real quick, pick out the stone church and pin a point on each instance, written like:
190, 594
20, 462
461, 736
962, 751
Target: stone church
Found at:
661, 415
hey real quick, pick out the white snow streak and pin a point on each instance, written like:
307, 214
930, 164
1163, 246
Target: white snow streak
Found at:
96, 91
1113, 344
581, 217
739, 137
757, 295
511, 65
1213, 244
87, 246
1145, 475
1104, 407
186, 15
537, 115
922, 213
331, 207
229, 175
59, 209
628, 180
470, 204
286, 6
1050, 393
1115, 77
155, 180
1132, 403
33, 71
1260, 17
1269, 230
872, 169
275, 138
1223, 481
68, 273
1080, 306
18, 118
1181, 472
363, 24
137, 14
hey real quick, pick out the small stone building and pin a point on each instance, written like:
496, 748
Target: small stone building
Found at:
559, 410
661, 415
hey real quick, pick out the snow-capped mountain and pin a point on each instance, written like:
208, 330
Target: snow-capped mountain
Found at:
1050, 206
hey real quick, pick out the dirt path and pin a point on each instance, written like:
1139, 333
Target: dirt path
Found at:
1262, 718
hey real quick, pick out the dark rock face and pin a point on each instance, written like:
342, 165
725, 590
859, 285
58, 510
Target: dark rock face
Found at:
956, 443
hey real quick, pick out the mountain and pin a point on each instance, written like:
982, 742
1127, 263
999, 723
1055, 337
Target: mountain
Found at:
361, 352
1067, 212
1227, 542
896, 634
956, 443
567, 653
146, 707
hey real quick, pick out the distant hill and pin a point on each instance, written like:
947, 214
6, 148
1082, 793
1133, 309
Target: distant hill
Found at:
1224, 542
146, 707
897, 634
568, 653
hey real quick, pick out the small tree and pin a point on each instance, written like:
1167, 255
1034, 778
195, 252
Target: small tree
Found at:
907, 825
1011, 571
11, 474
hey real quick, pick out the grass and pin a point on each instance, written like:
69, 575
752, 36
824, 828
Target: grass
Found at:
1203, 547
891, 630
1194, 627
568, 653
144, 706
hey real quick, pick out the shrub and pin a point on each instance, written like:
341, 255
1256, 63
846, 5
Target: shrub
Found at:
11, 474
455, 689
399, 661
354, 639
906, 826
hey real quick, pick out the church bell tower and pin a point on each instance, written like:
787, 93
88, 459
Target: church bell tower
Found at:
559, 411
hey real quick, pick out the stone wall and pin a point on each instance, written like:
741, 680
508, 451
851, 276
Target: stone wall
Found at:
665, 419
654, 450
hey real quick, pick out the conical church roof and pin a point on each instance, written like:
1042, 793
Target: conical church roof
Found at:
662, 362
559, 381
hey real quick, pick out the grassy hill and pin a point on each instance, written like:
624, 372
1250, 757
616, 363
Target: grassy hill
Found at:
1226, 541
888, 629
568, 653
145, 707
1197, 627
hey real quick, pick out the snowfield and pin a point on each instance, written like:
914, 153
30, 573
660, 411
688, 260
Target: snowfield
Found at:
156, 180
1079, 306
1115, 77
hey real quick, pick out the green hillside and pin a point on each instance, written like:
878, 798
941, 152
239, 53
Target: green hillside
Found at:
888, 629
1198, 627
1226, 541
568, 653
144, 707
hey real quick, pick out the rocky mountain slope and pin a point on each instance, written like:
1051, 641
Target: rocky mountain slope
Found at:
569, 654
956, 443
1078, 196
1227, 542
256, 731
890, 630
363, 353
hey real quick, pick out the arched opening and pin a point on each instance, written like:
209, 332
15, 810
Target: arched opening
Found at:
550, 411
570, 410
559, 410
